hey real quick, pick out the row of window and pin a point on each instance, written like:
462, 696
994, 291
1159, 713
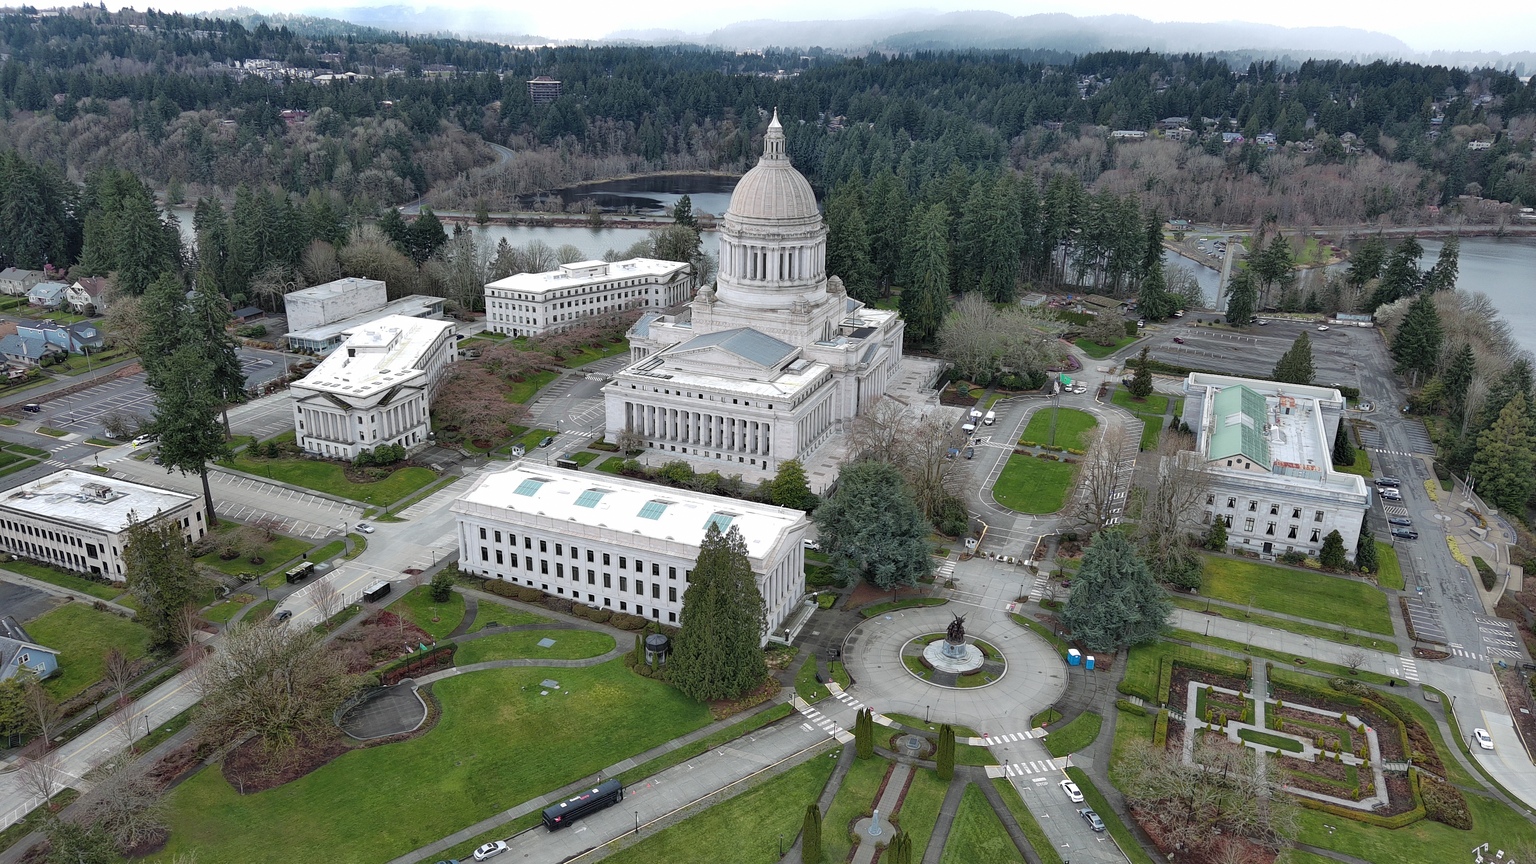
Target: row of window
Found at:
543, 567
575, 555
1269, 529
1253, 507
592, 599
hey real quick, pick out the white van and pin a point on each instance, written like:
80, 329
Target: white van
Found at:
975, 414
990, 418
968, 428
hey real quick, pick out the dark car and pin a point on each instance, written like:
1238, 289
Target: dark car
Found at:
1179, 339
547, 441
1091, 818
1388, 482
1400, 520
1405, 533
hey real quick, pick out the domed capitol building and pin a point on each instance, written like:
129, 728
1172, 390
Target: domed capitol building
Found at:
770, 362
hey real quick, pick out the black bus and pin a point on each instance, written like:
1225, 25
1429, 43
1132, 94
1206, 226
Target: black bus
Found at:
301, 572
376, 592
602, 795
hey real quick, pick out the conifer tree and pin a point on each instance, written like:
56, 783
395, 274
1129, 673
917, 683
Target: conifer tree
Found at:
682, 212
925, 299
160, 577
1416, 346
901, 848
1295, 366
1505, 465
1154, 302
1115, 602
945, 757
848, 242
1343, 448
1365, 551
1216, 537
811, 851
1442, 276
872, 528
790, 489
1141, 381
864, 734
1242, 298
1333, 556
1457, 378
719, 645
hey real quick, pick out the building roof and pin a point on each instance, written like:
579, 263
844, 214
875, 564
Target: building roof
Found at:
629, 507
48, 289
92, 285
12, 273
582, 273
92, 501
1238, 418
248, 312
642, 325
413, 305
773, 190
378, 355
333, 289
746, 343
16, 345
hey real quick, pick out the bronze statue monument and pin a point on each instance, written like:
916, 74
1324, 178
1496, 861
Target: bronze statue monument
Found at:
957, 629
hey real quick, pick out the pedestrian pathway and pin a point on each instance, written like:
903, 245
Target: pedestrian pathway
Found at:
870, 843
1028, 769
820, 720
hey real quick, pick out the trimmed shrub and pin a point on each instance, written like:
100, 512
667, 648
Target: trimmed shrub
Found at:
529, 594
1160, 730
625, 621
1130, 707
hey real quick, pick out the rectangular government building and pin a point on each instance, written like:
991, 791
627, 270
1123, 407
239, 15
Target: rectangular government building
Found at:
77, 521
620, 544
375, 389
1269, 447
528, 304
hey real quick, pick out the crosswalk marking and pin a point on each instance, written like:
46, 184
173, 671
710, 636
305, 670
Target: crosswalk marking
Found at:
1389, 452
848, 700
1461, 652
1410, 668
1027, 769
822, 722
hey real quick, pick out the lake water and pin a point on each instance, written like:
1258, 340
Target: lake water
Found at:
647, 196
1504, 269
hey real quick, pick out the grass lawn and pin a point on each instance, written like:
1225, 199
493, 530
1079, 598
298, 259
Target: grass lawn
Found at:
417, 607
611, 464
569, 645
1362, 464
1391, 575
583, 356
99, 590
584, 457
82, 636
51, 432
919, 811
505, 616
328, 477
907, 603
1151, 431
221, 612
1071, 424
260, 611
1142, 664
522, 391
1279, 741
806, 685
1280, 658
748, 824
1030, 485
28, 451
1422, 841
279, 550
1331, 599
1074, 736
1156, 403
855, 799
1026, 822
476, 762
977, 834
1330, 634
328, 551
532, 437
1099, 352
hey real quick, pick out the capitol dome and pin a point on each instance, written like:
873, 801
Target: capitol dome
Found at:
773, 191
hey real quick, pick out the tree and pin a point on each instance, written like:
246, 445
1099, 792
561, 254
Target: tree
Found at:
1242, 299
863, 734
441, 588
1169, 509
848, 242
945, 757
790, 489
326, 599
42, 776
1216, 537
188, 401
1401, 277
1442, 276
1153, 301
811, 851
682, 212
118, 671
924, 300
207, 325
1343, 448
1141, 381
70, 842
719, 644
160, 576
1505, 464
1106, 328
126, 803
44, 714
1365, 551
1457, 379
1333, 556
871, 528
1295, 366
1096, 504
901, 848
15, 720
1115, 603
1365, 263
1416, 345
280, 684
1223, 792
425, 236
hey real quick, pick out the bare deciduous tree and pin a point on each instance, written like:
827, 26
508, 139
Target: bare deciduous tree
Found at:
327, 599
41, 776
1096, 504
119, 673
1354, 659
1170, 511
919, 444
44, 711
126, 803
278, 683
1226, 789
629, 441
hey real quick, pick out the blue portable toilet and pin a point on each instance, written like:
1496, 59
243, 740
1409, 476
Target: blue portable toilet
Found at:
1073, 657
1088, 662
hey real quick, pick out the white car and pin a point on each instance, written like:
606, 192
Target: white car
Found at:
811, 544
1484, 740
491, 850
365, 527
143, 439
1074, 794
1322, 327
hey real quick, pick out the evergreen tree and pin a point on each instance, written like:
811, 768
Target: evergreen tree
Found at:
392, 224
945, 757
1416, 346
1442, 276
1275, 264
863, 734
1457, 378
425, 236
1333, 556
872, 529
682, 212
207, 324
1115, 603
163, 312
1141, 381
161, 577
482, 212
811, 851
1154, 302
925, 298
1505, 464
1401, 276
719, 644
141, 252
187, 405
1242, 299
1365, 551
886, 215
1295, 366
1343, 448
901, 848
1216, 537
790, 489
1365, 263
848, 243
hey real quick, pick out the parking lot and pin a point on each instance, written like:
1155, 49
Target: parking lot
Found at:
1254, 352
131, 396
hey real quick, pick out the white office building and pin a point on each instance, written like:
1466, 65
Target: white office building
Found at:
774, 359
77, 521
332, 302
1269, 447
375, 389
620, 544
528, 304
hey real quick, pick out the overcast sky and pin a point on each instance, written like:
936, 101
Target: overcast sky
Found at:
1496, 25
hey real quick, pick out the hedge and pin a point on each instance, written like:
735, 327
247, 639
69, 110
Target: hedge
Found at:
1401, 820
1160, 730
440, 657
1309, 684
1130, 707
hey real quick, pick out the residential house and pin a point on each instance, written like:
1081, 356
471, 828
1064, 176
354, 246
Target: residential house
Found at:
1232, 138
1129, 134
1479, 145
18, 652
88, 294
48, 295
247, 314
17, 282
74, 338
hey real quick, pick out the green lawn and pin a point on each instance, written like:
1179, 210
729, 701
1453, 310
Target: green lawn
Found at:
259, 612
584, 457
279, 550
28, 451
1026, 822
905, 603
611, 464
1155, 403
505, 616
1343, 637
582, 356
1423, 840
82, 636
1099, 352
1280, 658
1391, 575
569, 645
1362, 464
977, 834
806, 685
919, 811
499, 743
99, 590
1071, 426
1074, 736
749, 825
328, 477
221, 612
522, 391
1270, 739
1151, 431
1030, 485
51, 432
855, 799
1142, 664
417, 607
1331, 599
532, 437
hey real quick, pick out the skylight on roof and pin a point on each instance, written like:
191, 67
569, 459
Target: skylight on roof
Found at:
653, 509
528, 487
590, 497
720, 520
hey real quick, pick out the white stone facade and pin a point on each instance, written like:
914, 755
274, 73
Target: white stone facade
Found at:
773, 360
620, 544
332, 302
528, 304
376, 388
